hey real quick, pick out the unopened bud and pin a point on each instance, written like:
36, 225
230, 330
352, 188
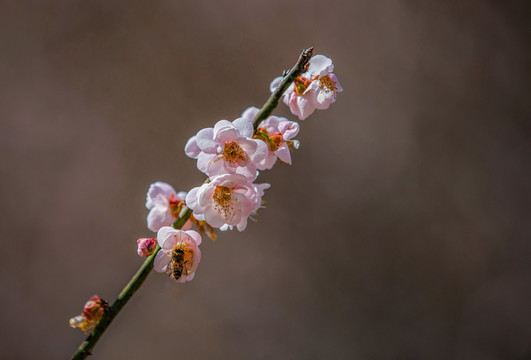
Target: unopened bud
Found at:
146, 246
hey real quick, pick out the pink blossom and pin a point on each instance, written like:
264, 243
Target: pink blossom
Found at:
277, 132
314, 89
179, 254
226, 200
164, 205
146, 246
228, 148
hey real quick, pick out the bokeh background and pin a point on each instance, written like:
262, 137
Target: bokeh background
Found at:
401, 231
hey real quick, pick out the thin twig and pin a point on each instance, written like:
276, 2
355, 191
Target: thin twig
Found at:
134, 284
271, 103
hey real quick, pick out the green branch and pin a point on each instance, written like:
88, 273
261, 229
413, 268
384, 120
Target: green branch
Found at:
134, 284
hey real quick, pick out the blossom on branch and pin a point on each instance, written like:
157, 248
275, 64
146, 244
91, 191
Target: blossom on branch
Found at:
314, 89
179, 254
92, 313
228, 148
164, 205
277, 132
226, 200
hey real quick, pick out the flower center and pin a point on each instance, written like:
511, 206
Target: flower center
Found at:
234, 154
273, 141
182, 260
223, 200
175, 206
301, 84
327, 84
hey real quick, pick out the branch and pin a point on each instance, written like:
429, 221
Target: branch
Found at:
271, 103
134, 284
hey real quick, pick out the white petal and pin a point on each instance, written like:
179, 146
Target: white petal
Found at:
204, 161
250, 113
158, 217
181, 195
275, 84
191, 198
222, 126
191, 149
242, 225
213, 218
288, 129
205, 140
261, 151
195, 236
244, 126
320, 65
284, 154
159, 194
161, 261
268, 162
165, 237
305, 108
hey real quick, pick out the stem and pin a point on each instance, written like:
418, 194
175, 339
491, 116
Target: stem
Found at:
137, 280
134, 284
272, 102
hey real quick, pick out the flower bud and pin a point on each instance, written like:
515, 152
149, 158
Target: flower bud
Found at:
92, 313
146, 246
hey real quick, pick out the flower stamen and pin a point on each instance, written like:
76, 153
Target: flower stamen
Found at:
223, 200
327, 84
234, 154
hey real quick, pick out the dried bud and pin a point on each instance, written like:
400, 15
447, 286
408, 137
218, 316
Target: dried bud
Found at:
146, 246
90, 317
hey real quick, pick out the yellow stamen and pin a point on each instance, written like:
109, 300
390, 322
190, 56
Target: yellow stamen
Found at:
327, 84
223, 199
234, 154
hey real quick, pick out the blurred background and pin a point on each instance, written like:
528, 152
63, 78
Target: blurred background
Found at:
401, 231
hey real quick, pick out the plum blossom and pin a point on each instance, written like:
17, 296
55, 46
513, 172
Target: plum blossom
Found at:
314, 89
228, 148
179, 254
226, 200
164, 205
277, 132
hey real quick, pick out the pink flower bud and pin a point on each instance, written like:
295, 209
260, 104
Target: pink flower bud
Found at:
146, 246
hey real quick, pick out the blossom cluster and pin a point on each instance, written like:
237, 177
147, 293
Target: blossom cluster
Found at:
231, 155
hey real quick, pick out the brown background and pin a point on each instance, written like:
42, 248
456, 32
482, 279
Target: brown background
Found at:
402, 231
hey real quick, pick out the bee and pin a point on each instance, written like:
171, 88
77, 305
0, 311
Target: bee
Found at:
182, 260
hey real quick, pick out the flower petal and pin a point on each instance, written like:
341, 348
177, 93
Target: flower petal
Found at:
224, 131
244, 126
205, 140
250, 113
195, 236
162, 259
165, 237
320, 65
158, 217
284, 154
191, 149
159, 194
275, 84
